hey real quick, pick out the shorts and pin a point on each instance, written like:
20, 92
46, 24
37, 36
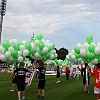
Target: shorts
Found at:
14, 80
96, 90
41, 84
21, 86
58, 75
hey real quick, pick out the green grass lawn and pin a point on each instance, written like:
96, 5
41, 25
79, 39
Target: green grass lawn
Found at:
65, 90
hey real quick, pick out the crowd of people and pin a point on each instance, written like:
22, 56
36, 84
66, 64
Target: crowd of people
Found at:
19, 75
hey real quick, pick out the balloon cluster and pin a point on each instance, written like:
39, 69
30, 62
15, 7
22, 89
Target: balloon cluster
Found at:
56, 62
14, 51
86, 52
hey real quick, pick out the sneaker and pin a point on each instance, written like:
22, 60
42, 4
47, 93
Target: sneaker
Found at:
12, 90
39, 97
58, 82
23, 97
43, 97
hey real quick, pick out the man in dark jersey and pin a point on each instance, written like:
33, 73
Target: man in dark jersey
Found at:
41, 79
20, 80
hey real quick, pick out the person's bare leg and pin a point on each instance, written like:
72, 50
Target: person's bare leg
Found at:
19, 95
38, 91
13, 86
42, 92
23, 94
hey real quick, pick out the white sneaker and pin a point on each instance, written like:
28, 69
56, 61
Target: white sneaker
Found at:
57, 81
12, 90
23, 97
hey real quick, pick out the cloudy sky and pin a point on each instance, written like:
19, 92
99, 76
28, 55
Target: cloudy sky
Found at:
64, 22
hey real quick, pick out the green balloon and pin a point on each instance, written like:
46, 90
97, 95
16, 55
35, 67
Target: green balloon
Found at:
89, 39
31, 52
41, 53
28, 45
16, 47
41, 45
5, 44
14, 53
91, 56
91, 48
48, 55
77, 55
39, 36
9, 62
77, 50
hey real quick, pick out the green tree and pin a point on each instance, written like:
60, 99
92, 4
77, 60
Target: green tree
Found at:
62, 52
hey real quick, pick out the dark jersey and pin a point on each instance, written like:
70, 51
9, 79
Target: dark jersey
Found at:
58, 70
41, 72
85, 72
20, 74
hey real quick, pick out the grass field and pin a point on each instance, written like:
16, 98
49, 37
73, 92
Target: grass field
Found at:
65, 90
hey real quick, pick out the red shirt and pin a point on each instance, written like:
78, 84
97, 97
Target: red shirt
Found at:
67, 70
96, 74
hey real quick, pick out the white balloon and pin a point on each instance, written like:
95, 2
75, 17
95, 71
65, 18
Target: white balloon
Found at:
88, 53
19, 53
22, 48
12, 42
10, 49
98, 44
1, 49
97, 50
94, 61
23, 41
2, 58
79, 46
7, 54
73, 52
37, 55
16, 41
51, 45
86, 45
73, 58
33, 46
53, 52
51, 56
45, 50
67, 57
47, 42
20, 59
82, 62
70, 54
83, 52
79, 59
25, 52
11, 58
36, 42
